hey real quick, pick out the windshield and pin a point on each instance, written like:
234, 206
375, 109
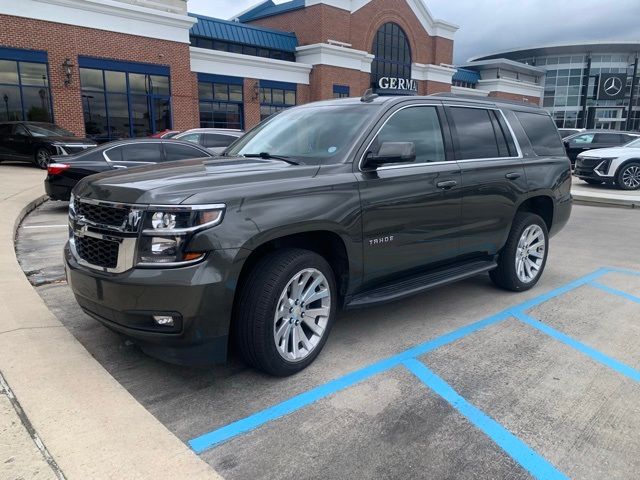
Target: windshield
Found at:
48, 130
634, 143
308, 134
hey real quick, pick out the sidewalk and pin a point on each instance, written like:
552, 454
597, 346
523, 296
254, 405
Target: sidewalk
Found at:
91, 426
604, 195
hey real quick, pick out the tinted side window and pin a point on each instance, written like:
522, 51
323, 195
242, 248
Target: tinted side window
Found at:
142, 152
584, 138
542, 133
191, 137
180, 152
21, 131
608, 138
475, 133
5, 130
218, 140
419, 125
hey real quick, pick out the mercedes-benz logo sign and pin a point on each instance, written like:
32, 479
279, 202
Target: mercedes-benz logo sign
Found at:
612, 86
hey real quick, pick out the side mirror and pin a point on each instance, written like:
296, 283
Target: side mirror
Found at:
392, 152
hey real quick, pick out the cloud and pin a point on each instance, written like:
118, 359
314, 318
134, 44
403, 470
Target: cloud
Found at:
488, 26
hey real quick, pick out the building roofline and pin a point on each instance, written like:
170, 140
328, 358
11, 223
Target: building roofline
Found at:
503, 63
559, 48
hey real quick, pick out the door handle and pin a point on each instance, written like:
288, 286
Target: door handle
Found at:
512, 175
447, 184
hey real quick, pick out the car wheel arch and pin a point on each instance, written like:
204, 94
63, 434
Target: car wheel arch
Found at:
624, 163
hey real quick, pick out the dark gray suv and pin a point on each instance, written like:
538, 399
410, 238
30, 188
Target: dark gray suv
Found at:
337, 204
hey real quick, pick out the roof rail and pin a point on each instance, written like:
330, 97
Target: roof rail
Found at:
483, 99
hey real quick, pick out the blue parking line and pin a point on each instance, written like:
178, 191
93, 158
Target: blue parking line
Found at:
615, 291
210, 439
528, 458
600, 357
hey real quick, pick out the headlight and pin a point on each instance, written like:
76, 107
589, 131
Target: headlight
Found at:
167, 229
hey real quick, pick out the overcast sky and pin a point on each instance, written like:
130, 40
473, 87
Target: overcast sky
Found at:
487, 26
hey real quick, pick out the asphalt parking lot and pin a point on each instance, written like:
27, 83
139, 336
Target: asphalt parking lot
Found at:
466, 381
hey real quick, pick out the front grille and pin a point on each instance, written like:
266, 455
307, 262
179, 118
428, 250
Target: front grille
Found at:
98, 252
103, 215
588, 162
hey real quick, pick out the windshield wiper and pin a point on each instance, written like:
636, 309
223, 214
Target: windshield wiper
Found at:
268, 156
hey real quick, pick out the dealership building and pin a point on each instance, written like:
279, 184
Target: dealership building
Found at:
586, 85
124, 68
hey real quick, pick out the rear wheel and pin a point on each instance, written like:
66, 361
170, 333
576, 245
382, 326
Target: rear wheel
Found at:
285, 311
628, 178
43, 158
523, 258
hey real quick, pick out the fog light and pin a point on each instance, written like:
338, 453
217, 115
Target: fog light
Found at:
163, 320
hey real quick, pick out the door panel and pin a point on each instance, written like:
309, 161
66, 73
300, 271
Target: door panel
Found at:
410, 211
491, 186
408, 221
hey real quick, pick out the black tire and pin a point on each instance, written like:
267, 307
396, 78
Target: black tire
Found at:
505, 275
592, 182
256, 306
42, 158
627, 169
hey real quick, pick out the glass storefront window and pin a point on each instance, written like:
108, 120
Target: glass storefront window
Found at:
273, 100
220, 104
24, 91
119, 104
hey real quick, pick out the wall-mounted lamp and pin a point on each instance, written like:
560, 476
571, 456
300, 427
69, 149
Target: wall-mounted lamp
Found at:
67, 70
256, 91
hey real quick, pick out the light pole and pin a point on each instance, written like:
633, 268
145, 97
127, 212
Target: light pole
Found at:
88, 104
6, 104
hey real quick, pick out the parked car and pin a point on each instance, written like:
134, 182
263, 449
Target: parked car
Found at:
64, 172
618, 166
165, 134
565, 132
591, 139
215, 139
36, 142
342, 203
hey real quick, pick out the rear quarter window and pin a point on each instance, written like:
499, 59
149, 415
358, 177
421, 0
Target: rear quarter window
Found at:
541, 132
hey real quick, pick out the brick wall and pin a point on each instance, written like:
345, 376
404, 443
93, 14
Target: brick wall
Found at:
513, 96
68, 41
319, 23
251, 103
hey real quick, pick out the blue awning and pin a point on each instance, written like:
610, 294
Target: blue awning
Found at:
217, 29
467, 76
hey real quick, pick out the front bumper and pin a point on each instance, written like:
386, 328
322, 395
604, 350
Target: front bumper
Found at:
587, 169
200, 297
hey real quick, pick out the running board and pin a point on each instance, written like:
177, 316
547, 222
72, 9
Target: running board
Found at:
418, 283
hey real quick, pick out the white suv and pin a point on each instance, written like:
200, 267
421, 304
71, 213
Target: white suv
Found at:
616, 166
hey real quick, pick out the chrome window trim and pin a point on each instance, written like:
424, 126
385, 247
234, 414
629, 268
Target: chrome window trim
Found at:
409, 165
446, 162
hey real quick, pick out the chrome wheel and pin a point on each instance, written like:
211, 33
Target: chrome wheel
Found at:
43, 158
530, 253
631, 177
302, 315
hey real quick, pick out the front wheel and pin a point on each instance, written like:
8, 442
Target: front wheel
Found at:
285, 311
43, 158
523, 258
628, 177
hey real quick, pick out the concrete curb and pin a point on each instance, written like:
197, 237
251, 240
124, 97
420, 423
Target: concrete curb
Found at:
89, 423
585, 199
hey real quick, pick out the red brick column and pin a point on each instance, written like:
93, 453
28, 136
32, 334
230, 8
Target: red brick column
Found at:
251, 103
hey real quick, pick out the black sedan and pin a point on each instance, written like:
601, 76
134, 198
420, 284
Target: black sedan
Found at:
65, 172
37, 142
591, 139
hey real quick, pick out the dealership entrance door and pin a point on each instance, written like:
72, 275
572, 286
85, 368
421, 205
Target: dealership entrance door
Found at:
607, 118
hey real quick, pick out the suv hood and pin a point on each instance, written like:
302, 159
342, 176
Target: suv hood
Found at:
173, 183
609, 152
